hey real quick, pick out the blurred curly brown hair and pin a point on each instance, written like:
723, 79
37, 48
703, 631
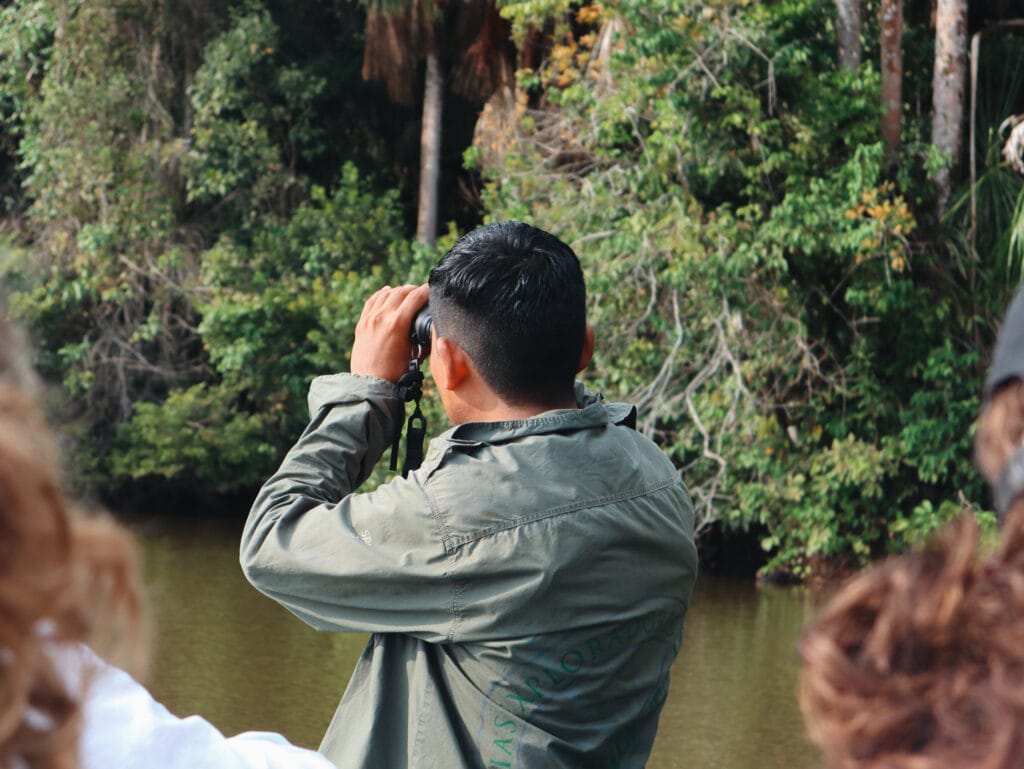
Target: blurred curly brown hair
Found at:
999, 429
918, 663
65, 577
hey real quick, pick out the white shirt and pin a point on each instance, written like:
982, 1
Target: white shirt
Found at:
125, 728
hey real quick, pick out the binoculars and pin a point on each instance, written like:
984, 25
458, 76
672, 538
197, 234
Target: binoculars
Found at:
419, 333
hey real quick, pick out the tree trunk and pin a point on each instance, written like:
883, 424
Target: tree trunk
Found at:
848, 33
948, 85
430, 150
892, 77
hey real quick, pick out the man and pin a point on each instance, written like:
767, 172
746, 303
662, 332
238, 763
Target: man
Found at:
526, 587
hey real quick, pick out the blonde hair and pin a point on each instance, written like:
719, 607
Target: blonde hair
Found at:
65, 577
918, 663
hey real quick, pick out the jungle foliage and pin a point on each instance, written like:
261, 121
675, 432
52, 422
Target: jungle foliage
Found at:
200, 195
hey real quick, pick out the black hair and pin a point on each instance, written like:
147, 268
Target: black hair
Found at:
512, 296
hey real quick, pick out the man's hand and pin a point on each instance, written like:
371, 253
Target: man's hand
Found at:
382, 347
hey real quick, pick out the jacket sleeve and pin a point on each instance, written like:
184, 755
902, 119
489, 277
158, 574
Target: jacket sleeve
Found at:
372, 562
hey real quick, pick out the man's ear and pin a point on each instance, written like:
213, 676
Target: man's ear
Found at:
448, 363
588, 349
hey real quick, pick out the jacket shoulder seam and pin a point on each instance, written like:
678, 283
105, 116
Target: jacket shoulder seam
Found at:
452, 544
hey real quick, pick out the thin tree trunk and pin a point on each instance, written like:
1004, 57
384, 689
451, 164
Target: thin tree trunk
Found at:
848, 33
948, 85
430, 151
892, 77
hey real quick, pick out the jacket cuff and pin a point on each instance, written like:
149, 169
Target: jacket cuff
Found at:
335, 389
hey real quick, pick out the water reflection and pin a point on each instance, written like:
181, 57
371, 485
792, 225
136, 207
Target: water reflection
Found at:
237, 658
225, 651
732, 704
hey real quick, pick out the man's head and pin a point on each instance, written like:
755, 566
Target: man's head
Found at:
512, 297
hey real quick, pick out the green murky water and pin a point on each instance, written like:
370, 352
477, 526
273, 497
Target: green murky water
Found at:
236, 658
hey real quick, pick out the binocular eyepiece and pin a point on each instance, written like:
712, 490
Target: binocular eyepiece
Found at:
419, 334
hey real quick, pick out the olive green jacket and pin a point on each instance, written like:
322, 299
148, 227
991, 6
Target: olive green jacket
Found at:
525, 588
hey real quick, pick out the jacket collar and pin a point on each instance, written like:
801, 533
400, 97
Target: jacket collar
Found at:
592, 411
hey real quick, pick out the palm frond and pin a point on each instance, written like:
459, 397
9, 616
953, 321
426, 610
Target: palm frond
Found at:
398, 35
484, 38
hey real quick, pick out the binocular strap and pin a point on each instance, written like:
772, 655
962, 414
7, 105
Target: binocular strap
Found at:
410, 388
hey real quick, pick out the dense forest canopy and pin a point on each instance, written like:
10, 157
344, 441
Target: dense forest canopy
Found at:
800, 221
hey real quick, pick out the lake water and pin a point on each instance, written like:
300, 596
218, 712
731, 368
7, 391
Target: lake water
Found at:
224, 651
